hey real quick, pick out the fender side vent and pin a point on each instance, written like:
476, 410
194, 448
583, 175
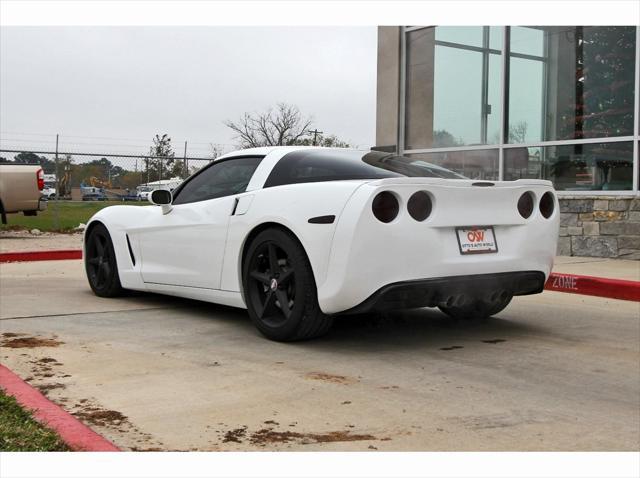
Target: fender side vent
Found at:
483, 184
322, 220
133, 258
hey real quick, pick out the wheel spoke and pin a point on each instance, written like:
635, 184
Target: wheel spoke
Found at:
285, 276
268, 302
283, 299
273, 259
261, 277
99, 246
94, 261
107, 270
100, 276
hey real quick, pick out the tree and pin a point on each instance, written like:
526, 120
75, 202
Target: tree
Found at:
283, 126
518, 132
161, 162
443, 139
329, 141
27, 157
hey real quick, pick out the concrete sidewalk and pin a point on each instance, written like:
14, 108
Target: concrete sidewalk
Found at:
598, 267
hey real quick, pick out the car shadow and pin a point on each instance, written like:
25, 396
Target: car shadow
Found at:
420, 329
410, 329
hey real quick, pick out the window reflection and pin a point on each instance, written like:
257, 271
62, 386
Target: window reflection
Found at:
453, 86
570, 82
476, 164
605, 167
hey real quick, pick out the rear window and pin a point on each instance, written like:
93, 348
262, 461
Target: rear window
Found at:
315, 165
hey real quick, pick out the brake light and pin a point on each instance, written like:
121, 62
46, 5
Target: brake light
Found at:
40, 177
525, 204
385, 206
547, 204
420, 205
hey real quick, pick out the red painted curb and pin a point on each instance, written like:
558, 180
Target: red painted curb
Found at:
74, 433
28, 256
597, 286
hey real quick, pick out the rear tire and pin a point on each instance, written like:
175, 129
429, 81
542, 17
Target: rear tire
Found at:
479, 309
100, 263
280, 289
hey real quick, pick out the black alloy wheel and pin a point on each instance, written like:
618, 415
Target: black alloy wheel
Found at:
280, 289
273, 284
100, 263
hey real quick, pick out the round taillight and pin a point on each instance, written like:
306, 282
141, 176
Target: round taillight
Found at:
385, 206
525, 204
547, 204
419, 206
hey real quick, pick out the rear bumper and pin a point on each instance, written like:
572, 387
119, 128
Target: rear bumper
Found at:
447, 290
42, 204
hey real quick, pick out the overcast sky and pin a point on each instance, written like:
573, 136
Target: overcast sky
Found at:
128, 83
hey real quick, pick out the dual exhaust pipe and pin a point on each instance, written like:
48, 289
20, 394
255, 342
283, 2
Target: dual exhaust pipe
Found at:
459, 300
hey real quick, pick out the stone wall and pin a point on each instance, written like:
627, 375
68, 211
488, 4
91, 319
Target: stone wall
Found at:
600, 226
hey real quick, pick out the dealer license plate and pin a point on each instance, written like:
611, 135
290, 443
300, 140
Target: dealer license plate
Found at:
476, 240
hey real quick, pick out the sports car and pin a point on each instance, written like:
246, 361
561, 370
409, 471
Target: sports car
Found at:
300, 235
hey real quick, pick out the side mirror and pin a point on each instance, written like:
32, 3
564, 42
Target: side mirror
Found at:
162, 197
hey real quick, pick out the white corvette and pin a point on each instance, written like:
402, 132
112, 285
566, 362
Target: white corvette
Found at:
297, 235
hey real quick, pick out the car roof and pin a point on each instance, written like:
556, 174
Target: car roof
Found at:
265, 150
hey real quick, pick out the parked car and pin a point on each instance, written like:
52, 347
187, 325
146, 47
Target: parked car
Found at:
143, 190
21, 188
299, 235
97, 196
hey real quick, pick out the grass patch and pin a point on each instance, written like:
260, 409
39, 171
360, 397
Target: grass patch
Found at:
60, 216
19, 431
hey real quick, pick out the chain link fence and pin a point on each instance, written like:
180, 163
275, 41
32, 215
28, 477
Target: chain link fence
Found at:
112, 170
117, 166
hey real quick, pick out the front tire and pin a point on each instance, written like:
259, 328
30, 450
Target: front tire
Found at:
100, 263
280, 289
479, 309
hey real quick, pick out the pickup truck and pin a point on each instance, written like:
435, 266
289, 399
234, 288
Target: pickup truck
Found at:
21, 188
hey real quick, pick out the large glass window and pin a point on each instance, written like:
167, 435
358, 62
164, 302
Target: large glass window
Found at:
576, 167
568, 82
475, 164
453, 87
564, 84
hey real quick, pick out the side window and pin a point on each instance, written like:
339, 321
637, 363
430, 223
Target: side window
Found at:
226, 178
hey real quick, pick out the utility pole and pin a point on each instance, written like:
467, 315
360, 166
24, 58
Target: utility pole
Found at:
56, 215
185, 165
315, 133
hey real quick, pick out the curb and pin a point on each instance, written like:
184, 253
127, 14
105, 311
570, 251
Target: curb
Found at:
74, 433
596, 286
29, 256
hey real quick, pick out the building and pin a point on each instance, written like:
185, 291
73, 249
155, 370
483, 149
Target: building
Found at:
503, 103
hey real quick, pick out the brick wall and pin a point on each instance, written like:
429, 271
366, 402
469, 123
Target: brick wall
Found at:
600, 226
